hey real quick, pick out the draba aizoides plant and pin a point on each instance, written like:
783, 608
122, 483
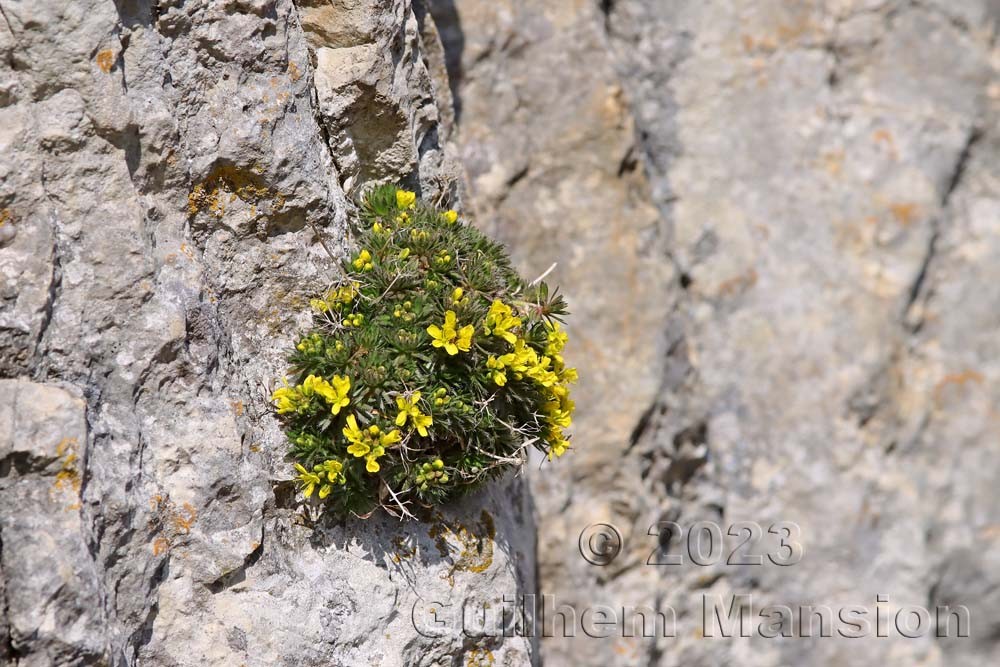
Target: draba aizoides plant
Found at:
430, 367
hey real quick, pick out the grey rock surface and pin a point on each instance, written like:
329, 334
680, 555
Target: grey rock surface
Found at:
776, 224
173, 175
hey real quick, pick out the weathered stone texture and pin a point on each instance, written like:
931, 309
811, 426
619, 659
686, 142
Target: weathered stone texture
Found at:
171, 173
776, 224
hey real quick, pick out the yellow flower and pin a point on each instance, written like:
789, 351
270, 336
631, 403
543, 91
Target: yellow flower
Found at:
319, 305
288, 399
457, 294
450, 216
371, 461
315, 385
558, 447
307, 480
499, 320
567, 374
310, 344
404, 253
464, 340
557, 340
391, 438
442, 258
497, 366
370, 443
558, 409
363, 262
333, 469
379, 446
341, 389
405, 199
408, 410
540, 373
335, 394
521, 358
449, 337
359, 443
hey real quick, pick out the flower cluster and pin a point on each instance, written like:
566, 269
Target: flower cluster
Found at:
430, 368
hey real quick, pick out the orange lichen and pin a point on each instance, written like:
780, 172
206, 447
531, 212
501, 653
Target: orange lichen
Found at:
68, 476
294, 72
883, 136
738, 284
105, 60
5, 217
184, 519
905, 213
160, 545
833, 162
956, 379
173, 521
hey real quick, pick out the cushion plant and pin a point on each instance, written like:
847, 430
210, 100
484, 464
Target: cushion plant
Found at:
429, 369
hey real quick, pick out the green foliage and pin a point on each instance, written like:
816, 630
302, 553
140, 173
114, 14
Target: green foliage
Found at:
430, 367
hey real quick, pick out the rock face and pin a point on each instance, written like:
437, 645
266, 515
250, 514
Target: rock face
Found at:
175, 184
776, 224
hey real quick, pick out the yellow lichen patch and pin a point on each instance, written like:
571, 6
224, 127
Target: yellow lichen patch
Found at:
6, 217
238, 408
294, 72
68, 477
225, 185
480, 658
105, 60
475, 544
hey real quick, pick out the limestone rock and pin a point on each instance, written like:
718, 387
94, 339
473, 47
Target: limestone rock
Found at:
775, 224
174, 177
